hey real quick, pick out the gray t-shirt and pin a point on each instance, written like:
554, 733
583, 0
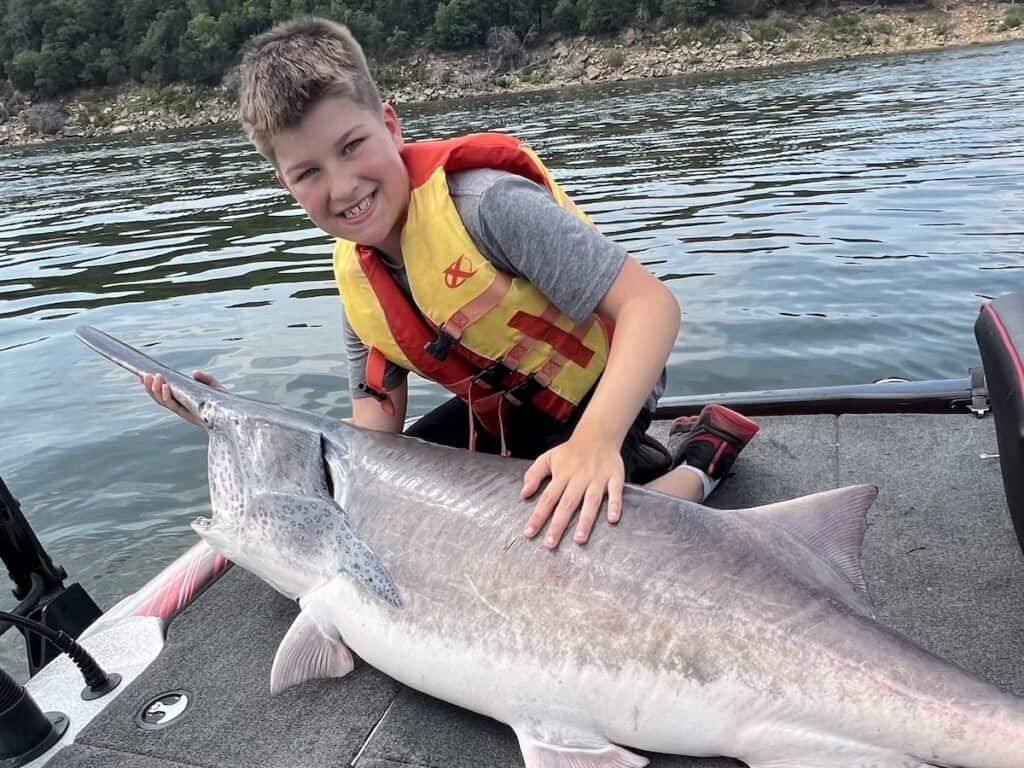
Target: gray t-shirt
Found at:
517, 226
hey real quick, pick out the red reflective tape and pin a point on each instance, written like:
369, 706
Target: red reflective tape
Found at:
564, 343
376, 364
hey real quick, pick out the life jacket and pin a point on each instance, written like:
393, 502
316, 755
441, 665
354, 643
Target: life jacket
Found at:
484, 335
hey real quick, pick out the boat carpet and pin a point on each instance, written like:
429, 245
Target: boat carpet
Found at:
941, 561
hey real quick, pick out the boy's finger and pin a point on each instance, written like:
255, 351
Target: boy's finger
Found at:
534, 476
168, 397
542, 510
615, 487
159, 385
566, 508
588, 514
207, 378
174, 406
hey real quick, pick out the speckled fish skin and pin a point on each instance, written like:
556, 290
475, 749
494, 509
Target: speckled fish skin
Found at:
683, 630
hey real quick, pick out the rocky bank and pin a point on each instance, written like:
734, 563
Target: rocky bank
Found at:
844, 31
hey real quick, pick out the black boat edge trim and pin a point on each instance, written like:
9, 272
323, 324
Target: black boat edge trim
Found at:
932, 396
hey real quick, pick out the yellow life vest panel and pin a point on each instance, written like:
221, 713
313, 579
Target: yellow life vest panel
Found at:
479, 332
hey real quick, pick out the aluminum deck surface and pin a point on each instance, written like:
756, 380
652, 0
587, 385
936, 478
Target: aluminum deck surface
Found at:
941, 562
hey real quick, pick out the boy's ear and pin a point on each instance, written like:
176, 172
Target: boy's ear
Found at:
394, 125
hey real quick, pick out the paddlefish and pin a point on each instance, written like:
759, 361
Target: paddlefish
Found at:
684, 630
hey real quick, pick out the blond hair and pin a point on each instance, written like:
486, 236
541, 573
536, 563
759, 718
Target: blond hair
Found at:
287, 70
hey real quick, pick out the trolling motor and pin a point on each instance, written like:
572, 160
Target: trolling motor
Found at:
39, 585
49, 616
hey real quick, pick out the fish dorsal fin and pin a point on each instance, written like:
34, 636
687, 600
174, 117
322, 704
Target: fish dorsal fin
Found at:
832, 524
308, 652
559, 747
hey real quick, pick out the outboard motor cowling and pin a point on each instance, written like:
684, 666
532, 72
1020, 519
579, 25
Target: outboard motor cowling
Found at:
1000, 334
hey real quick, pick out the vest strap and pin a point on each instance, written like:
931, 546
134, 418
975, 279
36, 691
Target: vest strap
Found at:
374, 385
569, 345
480, 305
451, 330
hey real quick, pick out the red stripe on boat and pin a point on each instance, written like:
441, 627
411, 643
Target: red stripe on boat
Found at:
1005, 336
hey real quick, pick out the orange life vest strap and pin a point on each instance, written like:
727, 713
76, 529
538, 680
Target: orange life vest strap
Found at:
376, 364
479, 306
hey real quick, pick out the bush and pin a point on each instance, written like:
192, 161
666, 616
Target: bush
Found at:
1012, 21
844, 28
398, 43
46, 117
23, 69
883, 27
505, 51
767, 30
712, 33
614, 58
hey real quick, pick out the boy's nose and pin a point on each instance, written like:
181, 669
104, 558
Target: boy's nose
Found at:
342, 187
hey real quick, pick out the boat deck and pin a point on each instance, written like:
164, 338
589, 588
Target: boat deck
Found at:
941, 562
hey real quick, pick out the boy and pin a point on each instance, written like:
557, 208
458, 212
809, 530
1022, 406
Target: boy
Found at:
464, 261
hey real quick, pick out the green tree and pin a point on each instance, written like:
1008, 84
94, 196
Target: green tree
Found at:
155, 59
690, 12
18, 26
605, 15
56, 71
368, 29
565, 17
455, 25
203, 52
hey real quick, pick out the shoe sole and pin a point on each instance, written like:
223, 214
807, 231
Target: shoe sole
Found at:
728, 420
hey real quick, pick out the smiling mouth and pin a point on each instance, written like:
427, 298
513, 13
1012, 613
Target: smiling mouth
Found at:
359, 209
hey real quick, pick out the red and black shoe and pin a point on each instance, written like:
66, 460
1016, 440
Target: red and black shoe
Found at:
711, 441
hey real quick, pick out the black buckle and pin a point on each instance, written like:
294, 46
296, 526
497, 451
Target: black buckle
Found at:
376, 394
493, 375
438, 348
524, 391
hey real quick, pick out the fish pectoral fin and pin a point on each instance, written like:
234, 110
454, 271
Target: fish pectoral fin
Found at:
308, 652
359, 561
562, 748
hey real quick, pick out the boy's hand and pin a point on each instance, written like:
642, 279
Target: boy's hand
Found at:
160, 391
581, 471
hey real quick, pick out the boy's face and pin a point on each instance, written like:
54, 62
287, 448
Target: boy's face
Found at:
342, 165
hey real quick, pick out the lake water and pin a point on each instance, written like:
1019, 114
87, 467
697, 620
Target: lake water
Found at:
825, 224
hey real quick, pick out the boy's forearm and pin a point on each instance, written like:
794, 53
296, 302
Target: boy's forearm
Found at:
367, 413
645, 332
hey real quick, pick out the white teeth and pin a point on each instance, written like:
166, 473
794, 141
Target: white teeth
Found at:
358, 208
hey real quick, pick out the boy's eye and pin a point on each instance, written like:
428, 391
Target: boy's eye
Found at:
306, 174
351, 147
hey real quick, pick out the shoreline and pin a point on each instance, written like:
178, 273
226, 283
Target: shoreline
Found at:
554, 62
